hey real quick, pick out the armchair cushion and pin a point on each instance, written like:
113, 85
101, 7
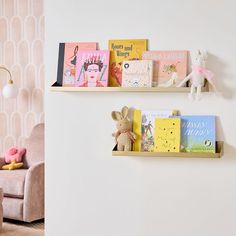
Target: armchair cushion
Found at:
2, 162
35, 147
1, 212
13, 182
1, 196
34, 193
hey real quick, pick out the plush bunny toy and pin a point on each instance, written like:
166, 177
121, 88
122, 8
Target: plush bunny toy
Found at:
198, 75
124, 136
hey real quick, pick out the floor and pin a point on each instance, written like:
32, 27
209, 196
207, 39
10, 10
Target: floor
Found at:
16, 228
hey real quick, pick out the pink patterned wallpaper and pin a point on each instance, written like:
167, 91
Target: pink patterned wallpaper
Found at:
21, 51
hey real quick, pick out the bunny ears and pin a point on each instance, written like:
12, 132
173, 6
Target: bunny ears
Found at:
202, 53
116, 115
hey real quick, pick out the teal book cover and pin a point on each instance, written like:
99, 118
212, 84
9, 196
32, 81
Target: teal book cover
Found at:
198, 134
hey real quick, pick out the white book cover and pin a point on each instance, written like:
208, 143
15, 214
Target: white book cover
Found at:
137, 73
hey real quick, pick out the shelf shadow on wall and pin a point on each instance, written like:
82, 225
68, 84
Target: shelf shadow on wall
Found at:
229, 152
219, 130
221, 76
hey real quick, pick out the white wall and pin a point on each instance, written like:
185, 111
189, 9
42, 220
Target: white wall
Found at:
91, 193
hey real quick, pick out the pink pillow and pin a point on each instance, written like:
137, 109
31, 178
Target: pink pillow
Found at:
14, 154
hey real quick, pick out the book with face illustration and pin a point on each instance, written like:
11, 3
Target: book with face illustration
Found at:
170, 67
67, 61
198, 134
137, 73
92, 68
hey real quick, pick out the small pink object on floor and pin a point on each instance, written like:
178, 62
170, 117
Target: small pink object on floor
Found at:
14, 154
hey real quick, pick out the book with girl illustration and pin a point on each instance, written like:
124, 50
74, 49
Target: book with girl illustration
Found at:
92, 68
170, 67
67, 61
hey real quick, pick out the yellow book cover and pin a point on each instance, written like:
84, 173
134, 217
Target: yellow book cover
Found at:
121, 50
167, 135
137, 116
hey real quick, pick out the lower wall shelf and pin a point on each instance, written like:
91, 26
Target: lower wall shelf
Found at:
218, 154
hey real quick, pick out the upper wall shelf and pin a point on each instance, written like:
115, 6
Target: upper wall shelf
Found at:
58, 88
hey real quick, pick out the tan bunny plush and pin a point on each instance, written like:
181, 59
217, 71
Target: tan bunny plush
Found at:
124, 136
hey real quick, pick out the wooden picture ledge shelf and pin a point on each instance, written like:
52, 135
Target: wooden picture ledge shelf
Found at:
57, 88
218, 154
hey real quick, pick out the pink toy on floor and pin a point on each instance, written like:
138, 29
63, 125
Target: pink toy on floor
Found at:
14, 154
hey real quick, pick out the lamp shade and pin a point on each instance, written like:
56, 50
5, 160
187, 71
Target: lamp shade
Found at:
10, 91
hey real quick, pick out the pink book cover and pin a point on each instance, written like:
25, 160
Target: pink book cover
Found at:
92, 68
170, 67
70, 52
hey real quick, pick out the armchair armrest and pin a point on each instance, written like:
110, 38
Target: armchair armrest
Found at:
2, 162
33, 208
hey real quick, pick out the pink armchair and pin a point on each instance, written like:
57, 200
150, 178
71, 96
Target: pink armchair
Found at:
24, 188
1, 215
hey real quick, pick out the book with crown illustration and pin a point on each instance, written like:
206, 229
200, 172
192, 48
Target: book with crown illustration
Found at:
67, 61
92, 68
170, 67
137, 73
123, 50
198, 134
167, 135
144, 126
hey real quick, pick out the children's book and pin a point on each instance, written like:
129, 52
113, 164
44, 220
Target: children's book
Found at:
167, 135
123, 50
137, 73
92, 68
170, 67
144, 126
67, 61
198, 134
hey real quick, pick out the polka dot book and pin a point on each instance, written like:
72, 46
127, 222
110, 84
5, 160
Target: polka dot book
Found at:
167, 135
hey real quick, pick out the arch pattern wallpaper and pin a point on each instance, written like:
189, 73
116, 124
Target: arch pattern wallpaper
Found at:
21, 51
